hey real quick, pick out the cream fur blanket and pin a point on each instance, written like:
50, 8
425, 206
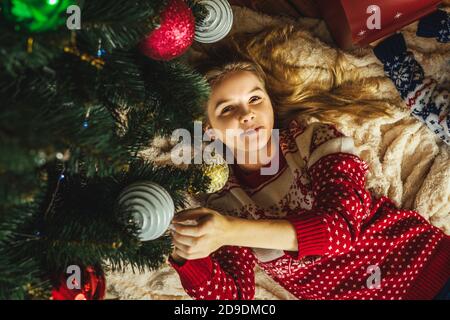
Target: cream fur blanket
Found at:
407, 162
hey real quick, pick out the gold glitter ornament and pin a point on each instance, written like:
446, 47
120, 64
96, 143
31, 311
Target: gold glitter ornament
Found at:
218, 173
214, 167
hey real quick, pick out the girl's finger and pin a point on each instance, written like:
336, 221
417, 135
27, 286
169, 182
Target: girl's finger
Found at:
194, 231
190, 214
186, 240
181, 246
188, 256
181, 253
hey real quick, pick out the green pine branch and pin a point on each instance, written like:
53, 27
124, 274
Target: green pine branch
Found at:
71, 133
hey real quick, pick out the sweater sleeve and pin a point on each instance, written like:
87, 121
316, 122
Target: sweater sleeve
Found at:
427, 101
341, 201
227, 274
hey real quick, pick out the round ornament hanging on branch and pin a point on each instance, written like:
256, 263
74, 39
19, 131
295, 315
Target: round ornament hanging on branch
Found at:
36, 15
216, 169
217, 22
174, 35
92, 286
151, 207
218, 175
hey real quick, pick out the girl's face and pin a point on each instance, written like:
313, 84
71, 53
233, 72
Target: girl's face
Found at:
240, 112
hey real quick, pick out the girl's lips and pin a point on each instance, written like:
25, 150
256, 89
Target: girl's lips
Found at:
251, 132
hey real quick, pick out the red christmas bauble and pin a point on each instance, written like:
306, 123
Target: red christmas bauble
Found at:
92, 286
175, 34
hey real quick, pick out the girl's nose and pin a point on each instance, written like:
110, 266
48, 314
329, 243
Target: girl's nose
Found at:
248, 117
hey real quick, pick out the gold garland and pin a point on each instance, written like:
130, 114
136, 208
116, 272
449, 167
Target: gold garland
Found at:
96, 62
72, 49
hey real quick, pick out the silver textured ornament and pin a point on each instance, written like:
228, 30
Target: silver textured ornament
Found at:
217, 23
151, 207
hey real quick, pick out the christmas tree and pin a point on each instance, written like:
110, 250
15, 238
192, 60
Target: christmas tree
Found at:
77, 108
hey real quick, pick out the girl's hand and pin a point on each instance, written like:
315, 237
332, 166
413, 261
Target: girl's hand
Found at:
211, 231
179, 260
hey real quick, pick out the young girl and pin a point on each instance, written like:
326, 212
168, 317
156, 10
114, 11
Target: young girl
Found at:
312, 226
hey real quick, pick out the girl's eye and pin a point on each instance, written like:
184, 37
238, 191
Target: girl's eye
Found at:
226, 109
254, 99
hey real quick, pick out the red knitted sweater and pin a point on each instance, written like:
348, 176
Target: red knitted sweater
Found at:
346, 236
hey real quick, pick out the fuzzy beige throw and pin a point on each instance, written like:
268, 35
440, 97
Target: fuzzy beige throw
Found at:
407, 163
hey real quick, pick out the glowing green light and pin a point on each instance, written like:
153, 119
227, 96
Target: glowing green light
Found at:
36, 15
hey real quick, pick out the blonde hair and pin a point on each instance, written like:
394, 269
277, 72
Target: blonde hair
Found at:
325, 98
216, 72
